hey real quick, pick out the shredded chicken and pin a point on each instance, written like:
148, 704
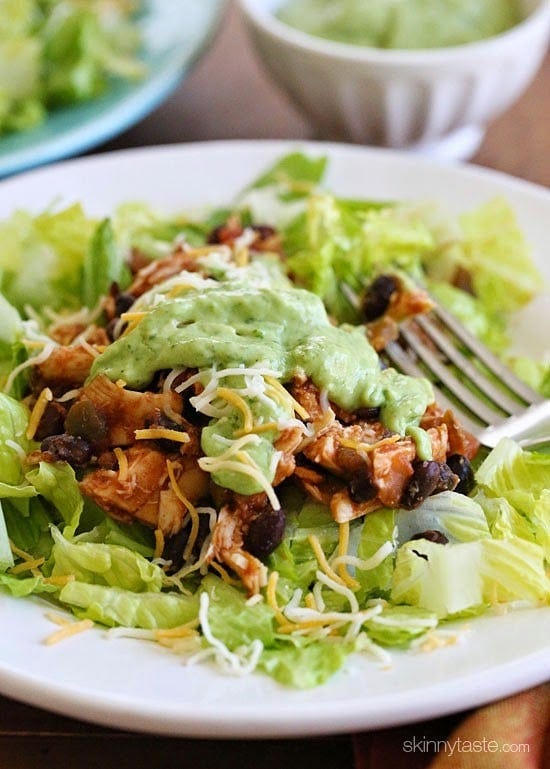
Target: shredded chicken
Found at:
126, 411
142, 491
227, 544
158, 271
65, 368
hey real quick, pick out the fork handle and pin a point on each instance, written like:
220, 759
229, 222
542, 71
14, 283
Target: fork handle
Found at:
531, 428
535, 444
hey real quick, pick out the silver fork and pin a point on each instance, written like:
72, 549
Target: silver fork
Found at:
491, 402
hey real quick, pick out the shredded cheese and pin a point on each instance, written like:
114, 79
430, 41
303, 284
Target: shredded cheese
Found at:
263, 428
27, 565
366, 564
123, 467
57, 619
161, 433
277, 387
133, 316
240, 662
223, 574
322, 560
90, 349
242, 256
34, 344
343, 544
69, 395
159, 543
61, 580
244, 464
17, 448
34, 361
21, 553
271, 595
337, 587
226, 394
433, 641
368, 447
190, 507
310, 601
181, 631
68, 630
45, 397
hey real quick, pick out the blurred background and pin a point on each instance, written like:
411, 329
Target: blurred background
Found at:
230, 96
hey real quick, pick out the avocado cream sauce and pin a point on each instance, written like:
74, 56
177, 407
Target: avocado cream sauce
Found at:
401, 24
285, 329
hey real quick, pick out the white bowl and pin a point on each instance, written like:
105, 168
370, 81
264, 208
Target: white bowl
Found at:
435, 101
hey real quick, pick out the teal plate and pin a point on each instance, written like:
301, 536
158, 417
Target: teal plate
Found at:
174, 34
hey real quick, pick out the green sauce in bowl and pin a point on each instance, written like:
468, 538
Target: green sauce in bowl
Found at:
400, 24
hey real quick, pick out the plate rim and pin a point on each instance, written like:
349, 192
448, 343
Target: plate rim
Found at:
125, 712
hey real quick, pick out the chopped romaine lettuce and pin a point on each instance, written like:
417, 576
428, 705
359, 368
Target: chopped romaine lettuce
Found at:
498, 538
113, 606
101, 564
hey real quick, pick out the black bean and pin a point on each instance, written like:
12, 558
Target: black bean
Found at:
462, 468
377, 297
51, 421
165, 443
369, 414
111, 327
85, 421
447, 479
423, 483
175, 545
264, 231
361, 488
68, 448
123, 302
432, 535
265, 532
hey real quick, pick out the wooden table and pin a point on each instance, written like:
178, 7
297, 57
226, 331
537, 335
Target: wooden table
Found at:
228, 96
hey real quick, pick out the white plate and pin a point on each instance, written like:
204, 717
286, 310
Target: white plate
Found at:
135, 685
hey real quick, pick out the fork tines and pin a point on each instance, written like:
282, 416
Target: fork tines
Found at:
467, 377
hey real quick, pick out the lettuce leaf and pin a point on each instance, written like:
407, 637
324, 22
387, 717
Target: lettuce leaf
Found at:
335, 248
294, 559
102, 564
497, 257
445, 580
21, 587
14, 417
303, 664
458, 517
489, 327
399, 625
509, 468
28, 522
57, 483
377, 529
113, 606
451, 579
42, 256
103, 264
231, 620
6, 555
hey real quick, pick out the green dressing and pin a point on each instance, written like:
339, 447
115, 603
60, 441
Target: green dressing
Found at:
285, 329
402, 24
217, 437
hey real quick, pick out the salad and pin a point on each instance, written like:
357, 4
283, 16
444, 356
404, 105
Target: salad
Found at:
201, 447
55, 53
